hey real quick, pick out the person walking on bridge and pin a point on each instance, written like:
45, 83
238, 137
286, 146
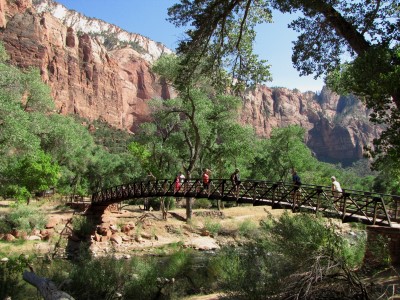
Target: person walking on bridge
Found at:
206, 179
181, 177
336, 188
235, 179
336, 192
296, 186
146, 202
177, 183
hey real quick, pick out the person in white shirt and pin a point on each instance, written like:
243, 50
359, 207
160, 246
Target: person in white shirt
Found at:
181, 177
336, 188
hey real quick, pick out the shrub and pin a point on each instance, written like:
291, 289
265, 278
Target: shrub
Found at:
11, 284
143, 279
26, 218
212, 226
285, 258
101, 278
5, 226
248, 228
83, 226
202, 204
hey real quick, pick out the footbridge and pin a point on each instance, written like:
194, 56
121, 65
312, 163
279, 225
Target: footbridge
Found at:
350, 206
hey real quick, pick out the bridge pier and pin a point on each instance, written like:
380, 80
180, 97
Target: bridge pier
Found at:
382, 243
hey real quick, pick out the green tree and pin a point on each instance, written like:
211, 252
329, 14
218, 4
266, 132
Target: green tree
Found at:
191, 127
220, 38
17, 141
33, 173
40, 148
111, 169
285, 150
70, 144
366, 34
140, 153
234, 147
37, 94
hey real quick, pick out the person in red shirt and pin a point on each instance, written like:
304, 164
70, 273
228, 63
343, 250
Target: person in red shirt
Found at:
177, 183
206, 178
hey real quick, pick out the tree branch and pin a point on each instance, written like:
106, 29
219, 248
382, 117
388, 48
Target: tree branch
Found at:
47, 288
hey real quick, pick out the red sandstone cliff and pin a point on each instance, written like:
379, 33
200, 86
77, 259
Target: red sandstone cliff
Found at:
337, 127
85, 77
98, 70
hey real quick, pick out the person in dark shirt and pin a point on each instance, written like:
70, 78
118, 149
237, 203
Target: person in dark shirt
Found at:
296, 178
235, 179
296, 185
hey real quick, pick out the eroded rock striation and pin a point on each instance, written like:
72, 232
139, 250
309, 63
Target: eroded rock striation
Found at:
337, 126
99, 71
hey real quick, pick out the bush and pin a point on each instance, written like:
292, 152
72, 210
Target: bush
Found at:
202, 204
25, 218
288, 253
11, 283
82, 225
212, 227
5, 226
98, 278
248, 228
143, 278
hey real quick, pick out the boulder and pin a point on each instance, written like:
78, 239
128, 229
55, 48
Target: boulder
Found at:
9, 237
116, 239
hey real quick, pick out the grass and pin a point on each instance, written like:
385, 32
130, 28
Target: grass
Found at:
18, 247
212, 226
247, 228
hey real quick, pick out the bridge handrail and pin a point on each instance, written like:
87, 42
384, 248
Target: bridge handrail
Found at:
287, 183
371, 206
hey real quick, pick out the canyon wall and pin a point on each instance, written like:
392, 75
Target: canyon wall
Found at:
99, 71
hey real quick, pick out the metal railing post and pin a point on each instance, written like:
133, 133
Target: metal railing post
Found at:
345, 195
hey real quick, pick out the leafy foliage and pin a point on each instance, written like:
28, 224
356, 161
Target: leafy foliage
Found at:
282, 152
222, 38
10, 274
34, 173
355, 44
201, 122
40, 148
271, 266
25, 218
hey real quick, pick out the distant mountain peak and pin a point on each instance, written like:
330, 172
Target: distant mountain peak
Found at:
111, 35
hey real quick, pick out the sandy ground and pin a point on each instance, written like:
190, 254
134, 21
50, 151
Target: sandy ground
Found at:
149, 229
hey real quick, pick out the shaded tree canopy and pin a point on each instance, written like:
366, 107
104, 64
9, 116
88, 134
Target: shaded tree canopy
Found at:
224, 29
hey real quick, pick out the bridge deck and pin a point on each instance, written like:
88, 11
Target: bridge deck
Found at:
350, 206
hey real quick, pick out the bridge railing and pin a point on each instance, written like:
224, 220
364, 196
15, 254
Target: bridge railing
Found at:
371, 208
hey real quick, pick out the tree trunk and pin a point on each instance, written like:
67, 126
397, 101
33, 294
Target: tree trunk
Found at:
188, 200
188, 209
47, 288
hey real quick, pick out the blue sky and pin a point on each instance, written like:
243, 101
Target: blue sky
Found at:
148, 18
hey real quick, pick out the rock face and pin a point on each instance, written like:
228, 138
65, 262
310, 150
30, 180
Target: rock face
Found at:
337, 127
99, 71
86, 78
